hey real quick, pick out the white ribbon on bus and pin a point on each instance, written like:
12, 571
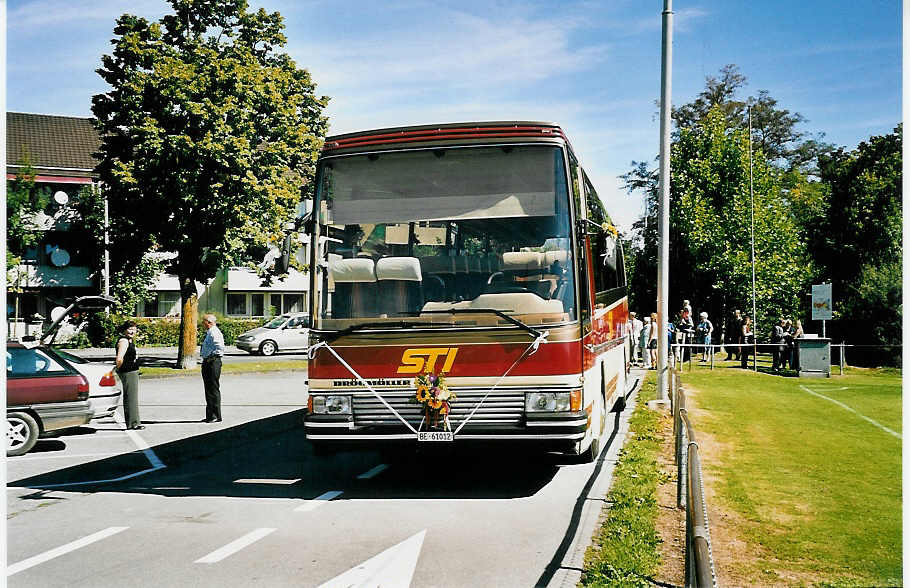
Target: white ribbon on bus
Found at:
531, 350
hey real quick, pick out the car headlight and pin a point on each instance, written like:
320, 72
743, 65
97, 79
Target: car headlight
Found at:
553, 401
331, 404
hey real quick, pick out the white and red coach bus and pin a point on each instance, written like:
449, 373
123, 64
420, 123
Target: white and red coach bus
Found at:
477, 254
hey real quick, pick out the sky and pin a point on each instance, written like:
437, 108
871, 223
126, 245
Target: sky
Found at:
593, 66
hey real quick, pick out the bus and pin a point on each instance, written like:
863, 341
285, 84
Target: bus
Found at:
467, 286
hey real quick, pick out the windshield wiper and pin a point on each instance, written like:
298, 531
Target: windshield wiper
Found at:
498, 313
332, 335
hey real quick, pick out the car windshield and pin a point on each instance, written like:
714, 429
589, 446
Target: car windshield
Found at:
419, 233
276, 323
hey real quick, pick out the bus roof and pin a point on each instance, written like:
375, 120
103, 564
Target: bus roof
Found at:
445, 133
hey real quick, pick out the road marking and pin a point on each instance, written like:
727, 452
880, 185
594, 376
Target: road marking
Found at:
63, 549
374, 472
860, 415
266, 481
309, 505
66, 456
235, 546
393, 568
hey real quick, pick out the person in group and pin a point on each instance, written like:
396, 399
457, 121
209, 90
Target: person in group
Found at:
686, 329
643, 339
794, 352
652, 340
671, 338
128, 370
734, 336
636, 336
687, 307
748, 340
212, 350
779, 345
703, 335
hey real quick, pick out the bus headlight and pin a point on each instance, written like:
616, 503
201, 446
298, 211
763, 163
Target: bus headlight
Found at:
331, 404
547, 401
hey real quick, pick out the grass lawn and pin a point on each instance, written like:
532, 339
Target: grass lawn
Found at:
809, 469
240, 367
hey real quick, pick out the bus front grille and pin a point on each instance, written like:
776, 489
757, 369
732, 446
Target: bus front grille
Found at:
499, 408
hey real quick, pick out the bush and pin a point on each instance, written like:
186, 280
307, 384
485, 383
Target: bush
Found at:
103, 330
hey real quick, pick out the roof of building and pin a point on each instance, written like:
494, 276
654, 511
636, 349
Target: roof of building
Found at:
55, 145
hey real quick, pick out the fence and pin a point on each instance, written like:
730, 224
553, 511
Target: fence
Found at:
683, 353
690, 493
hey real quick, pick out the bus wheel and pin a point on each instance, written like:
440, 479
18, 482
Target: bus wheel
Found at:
590, 455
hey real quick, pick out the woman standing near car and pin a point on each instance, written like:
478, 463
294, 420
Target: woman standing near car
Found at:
128, 369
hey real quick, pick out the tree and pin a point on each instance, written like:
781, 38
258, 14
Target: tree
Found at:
774, 129
209, 136
24, 200
710, 226
855, 237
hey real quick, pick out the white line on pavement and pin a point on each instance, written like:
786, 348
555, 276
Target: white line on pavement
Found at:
373, 472
266, 481
72, 546
235, 546
309, 505
860, 415
65, 456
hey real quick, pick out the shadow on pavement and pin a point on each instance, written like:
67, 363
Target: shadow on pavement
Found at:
254, 458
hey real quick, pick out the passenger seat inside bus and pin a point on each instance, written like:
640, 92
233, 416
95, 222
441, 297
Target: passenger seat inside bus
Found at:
355, 287
399, 285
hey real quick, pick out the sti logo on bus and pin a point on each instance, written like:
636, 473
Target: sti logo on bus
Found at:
423, 359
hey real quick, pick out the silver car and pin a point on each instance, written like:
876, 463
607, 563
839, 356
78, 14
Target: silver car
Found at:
288, 332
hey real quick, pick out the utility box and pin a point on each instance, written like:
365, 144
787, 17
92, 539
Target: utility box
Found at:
814, 357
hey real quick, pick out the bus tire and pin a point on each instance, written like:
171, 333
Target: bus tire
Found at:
591, 453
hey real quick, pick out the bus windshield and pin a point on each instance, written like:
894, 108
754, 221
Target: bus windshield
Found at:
435, 233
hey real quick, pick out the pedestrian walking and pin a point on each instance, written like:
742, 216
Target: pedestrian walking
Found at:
212, 350
748, 341
643, 343
652, 340
128, 369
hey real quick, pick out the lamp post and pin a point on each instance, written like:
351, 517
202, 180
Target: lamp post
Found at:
663, 272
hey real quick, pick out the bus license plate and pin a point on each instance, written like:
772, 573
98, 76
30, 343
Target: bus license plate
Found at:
435, 436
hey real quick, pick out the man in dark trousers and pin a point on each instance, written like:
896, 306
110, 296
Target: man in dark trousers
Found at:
734, 335
779, 346
212, 349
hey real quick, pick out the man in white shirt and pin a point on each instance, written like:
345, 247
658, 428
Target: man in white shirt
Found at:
211, 351
636, 336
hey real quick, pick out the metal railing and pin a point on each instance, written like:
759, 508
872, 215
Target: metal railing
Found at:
690, 493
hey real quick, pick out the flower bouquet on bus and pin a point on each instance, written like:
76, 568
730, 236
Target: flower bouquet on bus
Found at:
436, 399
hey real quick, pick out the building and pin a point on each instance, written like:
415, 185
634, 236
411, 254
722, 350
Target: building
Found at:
60, 151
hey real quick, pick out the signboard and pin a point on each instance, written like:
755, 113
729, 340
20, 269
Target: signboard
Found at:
822, 309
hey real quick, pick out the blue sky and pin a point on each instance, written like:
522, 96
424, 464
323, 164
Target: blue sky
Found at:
591, 65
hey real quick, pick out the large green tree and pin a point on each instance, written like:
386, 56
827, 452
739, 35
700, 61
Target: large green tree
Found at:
209, 137
711, 211
855, 237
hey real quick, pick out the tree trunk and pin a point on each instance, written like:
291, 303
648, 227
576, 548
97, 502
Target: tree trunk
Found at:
189, 317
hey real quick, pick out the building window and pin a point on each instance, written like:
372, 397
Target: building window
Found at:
162, 304
291, 303
256, 305
236, 304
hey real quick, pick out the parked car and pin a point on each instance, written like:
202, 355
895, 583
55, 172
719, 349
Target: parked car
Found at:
44, 392
288, 332
105, 388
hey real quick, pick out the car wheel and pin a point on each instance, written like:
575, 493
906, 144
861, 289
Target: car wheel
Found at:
268, 348
592, 452
21, 433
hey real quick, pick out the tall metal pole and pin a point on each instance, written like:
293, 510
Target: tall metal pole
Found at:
663, 272
107, 252
752, 239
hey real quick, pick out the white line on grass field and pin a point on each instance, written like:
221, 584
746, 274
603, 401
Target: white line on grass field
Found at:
373, 472
235, 546
309, 505
860, 415
63, 549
